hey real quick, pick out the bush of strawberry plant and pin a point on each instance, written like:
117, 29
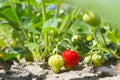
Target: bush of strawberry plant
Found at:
39, 29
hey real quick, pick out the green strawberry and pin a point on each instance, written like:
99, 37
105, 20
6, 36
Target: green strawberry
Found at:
98, 59
56, 62
87, 60
91, 18
76, 38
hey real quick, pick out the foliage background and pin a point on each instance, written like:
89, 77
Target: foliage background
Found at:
108, 9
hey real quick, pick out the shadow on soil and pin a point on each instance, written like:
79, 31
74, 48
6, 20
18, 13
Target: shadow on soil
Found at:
87, 78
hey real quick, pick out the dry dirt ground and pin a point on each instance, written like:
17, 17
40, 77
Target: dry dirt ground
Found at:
40, 71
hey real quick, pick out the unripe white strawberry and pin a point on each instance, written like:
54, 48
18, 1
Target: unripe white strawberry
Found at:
56, 62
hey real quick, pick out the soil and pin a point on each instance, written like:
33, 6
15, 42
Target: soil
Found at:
40, 71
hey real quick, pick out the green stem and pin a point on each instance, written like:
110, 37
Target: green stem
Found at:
43, 11
44, 20
117, 56
34, 56
19, 23
46, 41
68, 27
114, 53
63, 24
34, 39
58, 8
37, 54
57, 49
71, 46
29, 8
102, 36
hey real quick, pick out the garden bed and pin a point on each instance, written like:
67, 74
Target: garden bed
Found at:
41, 71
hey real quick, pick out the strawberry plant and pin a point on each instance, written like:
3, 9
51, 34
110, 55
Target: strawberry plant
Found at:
45, 30
38, 30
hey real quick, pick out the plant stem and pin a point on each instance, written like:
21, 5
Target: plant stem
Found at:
102, 36
68, 27
63, 24
29, 9
44, 20
57, 49
113, 53
43, 11
37, 54
58, 8
46, 40
34, 39
34, 56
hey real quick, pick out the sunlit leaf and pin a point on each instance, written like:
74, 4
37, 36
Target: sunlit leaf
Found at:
32, 30
51, 24
81, 27
27, 24
4, 13
31, 46
9, 17
114, 36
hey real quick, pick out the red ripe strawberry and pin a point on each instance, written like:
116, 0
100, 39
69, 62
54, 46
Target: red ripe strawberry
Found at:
71, 59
